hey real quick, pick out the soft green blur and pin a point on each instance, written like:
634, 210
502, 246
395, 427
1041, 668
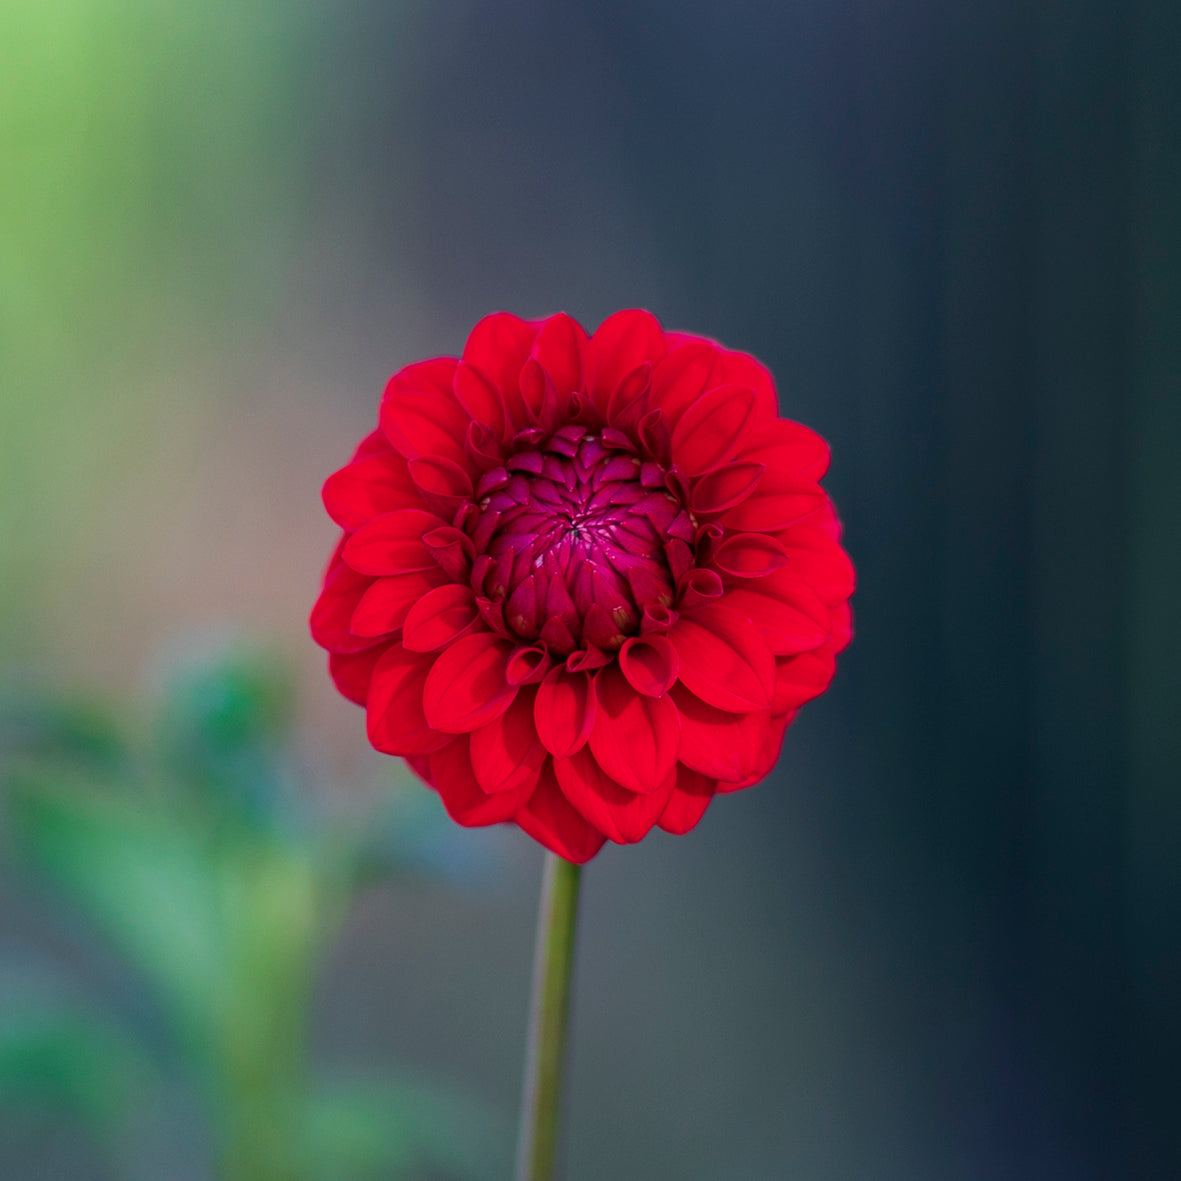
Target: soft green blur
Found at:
199, 854
148, 200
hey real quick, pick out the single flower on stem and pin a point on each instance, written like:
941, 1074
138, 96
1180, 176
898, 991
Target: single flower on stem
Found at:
584, 584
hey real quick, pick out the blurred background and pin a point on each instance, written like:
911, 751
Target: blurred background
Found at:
942, 940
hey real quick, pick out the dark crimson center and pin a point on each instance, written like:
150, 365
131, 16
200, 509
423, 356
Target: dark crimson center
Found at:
572, 538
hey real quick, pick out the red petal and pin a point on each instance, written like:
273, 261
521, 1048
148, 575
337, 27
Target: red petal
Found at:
507, 754
481, 399
650, 664
527, 665
657, 618
719, 744
419, 413
549, 819
466, 687
749, 555
688, 802
710, 431
828, 520
842, 627
421, 765
622, 341
484, 449
699, 588
724, 659
629, 401
564, 711
440, 616
333, 612
740, 368
766, 756
816, 558
682, 376
730, 485
587, 659
452, 549
442, 479
787, 446
787, 612
352, 672
654, 435
454, 779
622, 816
499, 346
634, 737
780, 500
392, 544
800, 678
383, 607
394, 716
537, 394
559, 349
367, 488
374, 443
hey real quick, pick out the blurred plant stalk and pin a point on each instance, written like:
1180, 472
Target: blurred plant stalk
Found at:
205, 863
280, 912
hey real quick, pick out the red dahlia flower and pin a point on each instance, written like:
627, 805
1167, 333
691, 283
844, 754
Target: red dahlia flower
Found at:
585, 583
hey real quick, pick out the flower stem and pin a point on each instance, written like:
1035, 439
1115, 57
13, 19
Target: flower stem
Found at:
553, 961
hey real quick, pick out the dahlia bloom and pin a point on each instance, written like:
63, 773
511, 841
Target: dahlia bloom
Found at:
585, 582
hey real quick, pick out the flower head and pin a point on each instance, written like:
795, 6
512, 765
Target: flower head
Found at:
584, 583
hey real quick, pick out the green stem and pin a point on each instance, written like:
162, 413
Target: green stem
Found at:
537, 1147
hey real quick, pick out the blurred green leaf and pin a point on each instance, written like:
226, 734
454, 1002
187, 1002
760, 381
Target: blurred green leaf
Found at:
224, 699
369, 1129
222, 726
37, 725
61, 1057
143, 878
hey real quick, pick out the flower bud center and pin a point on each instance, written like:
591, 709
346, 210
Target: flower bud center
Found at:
573, 538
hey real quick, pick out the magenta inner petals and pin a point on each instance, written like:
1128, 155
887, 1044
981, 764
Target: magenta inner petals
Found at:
575, 540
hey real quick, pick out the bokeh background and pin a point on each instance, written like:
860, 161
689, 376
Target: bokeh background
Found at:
942, 940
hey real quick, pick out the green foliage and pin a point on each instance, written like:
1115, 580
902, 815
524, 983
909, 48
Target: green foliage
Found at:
62, 1055
198, 856
379, 1128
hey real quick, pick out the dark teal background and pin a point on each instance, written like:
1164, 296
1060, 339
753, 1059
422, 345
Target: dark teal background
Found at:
942, 940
